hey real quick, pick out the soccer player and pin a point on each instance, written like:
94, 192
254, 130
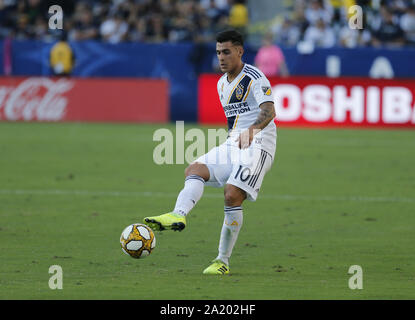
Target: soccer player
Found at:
240, 163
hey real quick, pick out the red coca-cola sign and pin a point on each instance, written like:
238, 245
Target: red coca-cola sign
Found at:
74, 99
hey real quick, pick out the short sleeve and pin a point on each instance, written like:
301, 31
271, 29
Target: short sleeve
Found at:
262, 90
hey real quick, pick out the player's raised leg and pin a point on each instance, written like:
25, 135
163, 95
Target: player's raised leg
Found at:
196, 175
232, 224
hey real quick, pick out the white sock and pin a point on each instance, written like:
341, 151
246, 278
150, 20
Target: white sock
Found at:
229, 234
190, 194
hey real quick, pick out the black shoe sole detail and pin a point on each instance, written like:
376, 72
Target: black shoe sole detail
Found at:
177, 226
154, 224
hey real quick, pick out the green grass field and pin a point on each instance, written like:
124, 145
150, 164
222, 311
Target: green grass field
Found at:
333, 199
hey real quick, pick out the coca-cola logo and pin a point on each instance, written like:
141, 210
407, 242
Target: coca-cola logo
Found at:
35, 99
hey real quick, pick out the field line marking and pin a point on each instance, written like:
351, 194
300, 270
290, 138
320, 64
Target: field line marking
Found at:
287, 197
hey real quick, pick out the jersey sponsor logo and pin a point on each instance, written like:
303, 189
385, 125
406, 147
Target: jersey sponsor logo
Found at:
234, 109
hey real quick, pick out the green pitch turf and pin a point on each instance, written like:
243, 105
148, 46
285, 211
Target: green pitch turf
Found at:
334, 198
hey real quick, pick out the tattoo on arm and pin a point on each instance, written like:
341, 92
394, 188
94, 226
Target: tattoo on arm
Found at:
265, 116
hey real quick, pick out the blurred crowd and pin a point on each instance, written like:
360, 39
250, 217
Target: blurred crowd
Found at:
327, 23
122, 20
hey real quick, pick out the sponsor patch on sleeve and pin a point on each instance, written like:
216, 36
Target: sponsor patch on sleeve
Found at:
266, 90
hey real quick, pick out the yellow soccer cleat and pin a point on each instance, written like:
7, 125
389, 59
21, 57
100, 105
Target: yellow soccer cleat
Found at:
167, 221
217, 267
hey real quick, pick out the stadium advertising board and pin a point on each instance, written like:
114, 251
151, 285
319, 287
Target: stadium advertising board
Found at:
331, 102
89, 100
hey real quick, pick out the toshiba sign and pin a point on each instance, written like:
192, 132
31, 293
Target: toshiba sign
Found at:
319, 101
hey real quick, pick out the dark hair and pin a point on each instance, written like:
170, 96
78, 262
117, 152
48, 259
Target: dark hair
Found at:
230, 35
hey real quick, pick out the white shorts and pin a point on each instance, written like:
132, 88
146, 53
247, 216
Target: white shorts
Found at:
243, 168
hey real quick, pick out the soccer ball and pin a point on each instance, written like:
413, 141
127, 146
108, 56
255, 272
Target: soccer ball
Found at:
137, 240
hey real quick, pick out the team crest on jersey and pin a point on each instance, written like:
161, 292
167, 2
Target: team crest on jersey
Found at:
239, 91
266, 91
221, 88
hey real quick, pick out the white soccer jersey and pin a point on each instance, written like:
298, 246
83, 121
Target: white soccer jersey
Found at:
241, 99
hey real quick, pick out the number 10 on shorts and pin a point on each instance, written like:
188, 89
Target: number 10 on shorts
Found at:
244, 174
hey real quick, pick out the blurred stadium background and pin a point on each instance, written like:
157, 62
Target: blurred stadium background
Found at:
170, 43
333, 199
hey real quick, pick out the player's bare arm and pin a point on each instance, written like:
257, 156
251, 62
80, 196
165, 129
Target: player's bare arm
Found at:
266, 115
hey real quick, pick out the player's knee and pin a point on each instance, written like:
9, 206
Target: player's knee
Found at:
198, 169
190, 169
233, 198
